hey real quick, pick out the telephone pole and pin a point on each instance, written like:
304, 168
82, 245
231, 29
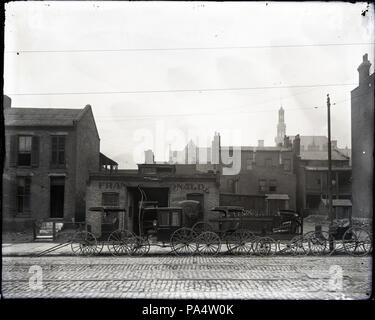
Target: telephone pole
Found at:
330, 213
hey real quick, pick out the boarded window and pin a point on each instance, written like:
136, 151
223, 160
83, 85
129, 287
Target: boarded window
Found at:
262, 185
110, 199
23, 194
268, 163
58, 151
287, 164
249, 164
24, 150
272, 185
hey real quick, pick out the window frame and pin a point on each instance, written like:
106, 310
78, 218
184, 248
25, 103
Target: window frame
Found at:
57, 150
27, 152
25, 195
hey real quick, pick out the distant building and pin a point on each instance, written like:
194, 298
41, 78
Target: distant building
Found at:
49, 154
281, 128
362, 111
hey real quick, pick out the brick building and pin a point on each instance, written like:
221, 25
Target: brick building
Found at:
266, 173
168, 184
362, 110
312, 179
49, 153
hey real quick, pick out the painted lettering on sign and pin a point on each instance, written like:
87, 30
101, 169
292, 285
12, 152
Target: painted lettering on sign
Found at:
190, 187
112, 185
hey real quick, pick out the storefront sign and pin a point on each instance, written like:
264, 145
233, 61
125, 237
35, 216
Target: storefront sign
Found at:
112, 185
190, 187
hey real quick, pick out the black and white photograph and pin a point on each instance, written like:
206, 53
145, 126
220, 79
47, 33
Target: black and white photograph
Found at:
173, 150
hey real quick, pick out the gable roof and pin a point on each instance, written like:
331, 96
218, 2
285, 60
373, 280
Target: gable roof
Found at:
42, 116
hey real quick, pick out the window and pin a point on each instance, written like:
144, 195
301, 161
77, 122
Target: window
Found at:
24, 150
58, 151
287, 165
23, 194
272, 185
175, 219
164, 218
268, 163
110, 199
262, 185
249, 164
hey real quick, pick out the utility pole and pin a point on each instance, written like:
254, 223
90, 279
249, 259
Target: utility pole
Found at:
330, 211
330, 214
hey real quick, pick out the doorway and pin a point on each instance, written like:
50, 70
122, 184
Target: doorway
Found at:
57, 191
152, 194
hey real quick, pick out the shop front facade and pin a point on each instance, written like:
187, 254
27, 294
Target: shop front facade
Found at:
126, 189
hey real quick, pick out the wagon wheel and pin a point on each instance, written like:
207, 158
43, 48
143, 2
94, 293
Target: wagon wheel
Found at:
240, 242
319, 243
201, 227
300, 245
142, 246
83, 243
183, 241
357, 241
99, 247
208, 243
121, 242
285, 247
266, 246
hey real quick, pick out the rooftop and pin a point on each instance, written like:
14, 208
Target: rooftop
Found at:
322, 155
42, 116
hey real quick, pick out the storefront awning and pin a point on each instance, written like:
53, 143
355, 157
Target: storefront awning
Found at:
277, 197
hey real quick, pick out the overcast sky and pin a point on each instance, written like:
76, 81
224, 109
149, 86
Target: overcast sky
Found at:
220, 46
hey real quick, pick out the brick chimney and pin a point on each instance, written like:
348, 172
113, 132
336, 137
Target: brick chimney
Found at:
7, 102
364, 70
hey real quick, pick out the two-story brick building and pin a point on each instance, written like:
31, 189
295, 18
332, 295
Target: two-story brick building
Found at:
48, 156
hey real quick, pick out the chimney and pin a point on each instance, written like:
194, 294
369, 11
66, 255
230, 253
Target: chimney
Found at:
7, 102
364, 70
260, 143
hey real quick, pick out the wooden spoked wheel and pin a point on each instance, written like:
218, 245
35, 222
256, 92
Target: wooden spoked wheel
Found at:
142, 246
300, 245
208, 243
357, 241
83, 243
319, 243
183, 242
266, 246
240, 242
121, 242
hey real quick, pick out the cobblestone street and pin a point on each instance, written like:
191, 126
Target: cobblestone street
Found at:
223, 277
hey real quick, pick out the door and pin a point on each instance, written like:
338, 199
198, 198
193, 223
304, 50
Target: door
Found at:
57, 197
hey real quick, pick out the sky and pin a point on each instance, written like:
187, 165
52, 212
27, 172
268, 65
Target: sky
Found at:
158, 74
